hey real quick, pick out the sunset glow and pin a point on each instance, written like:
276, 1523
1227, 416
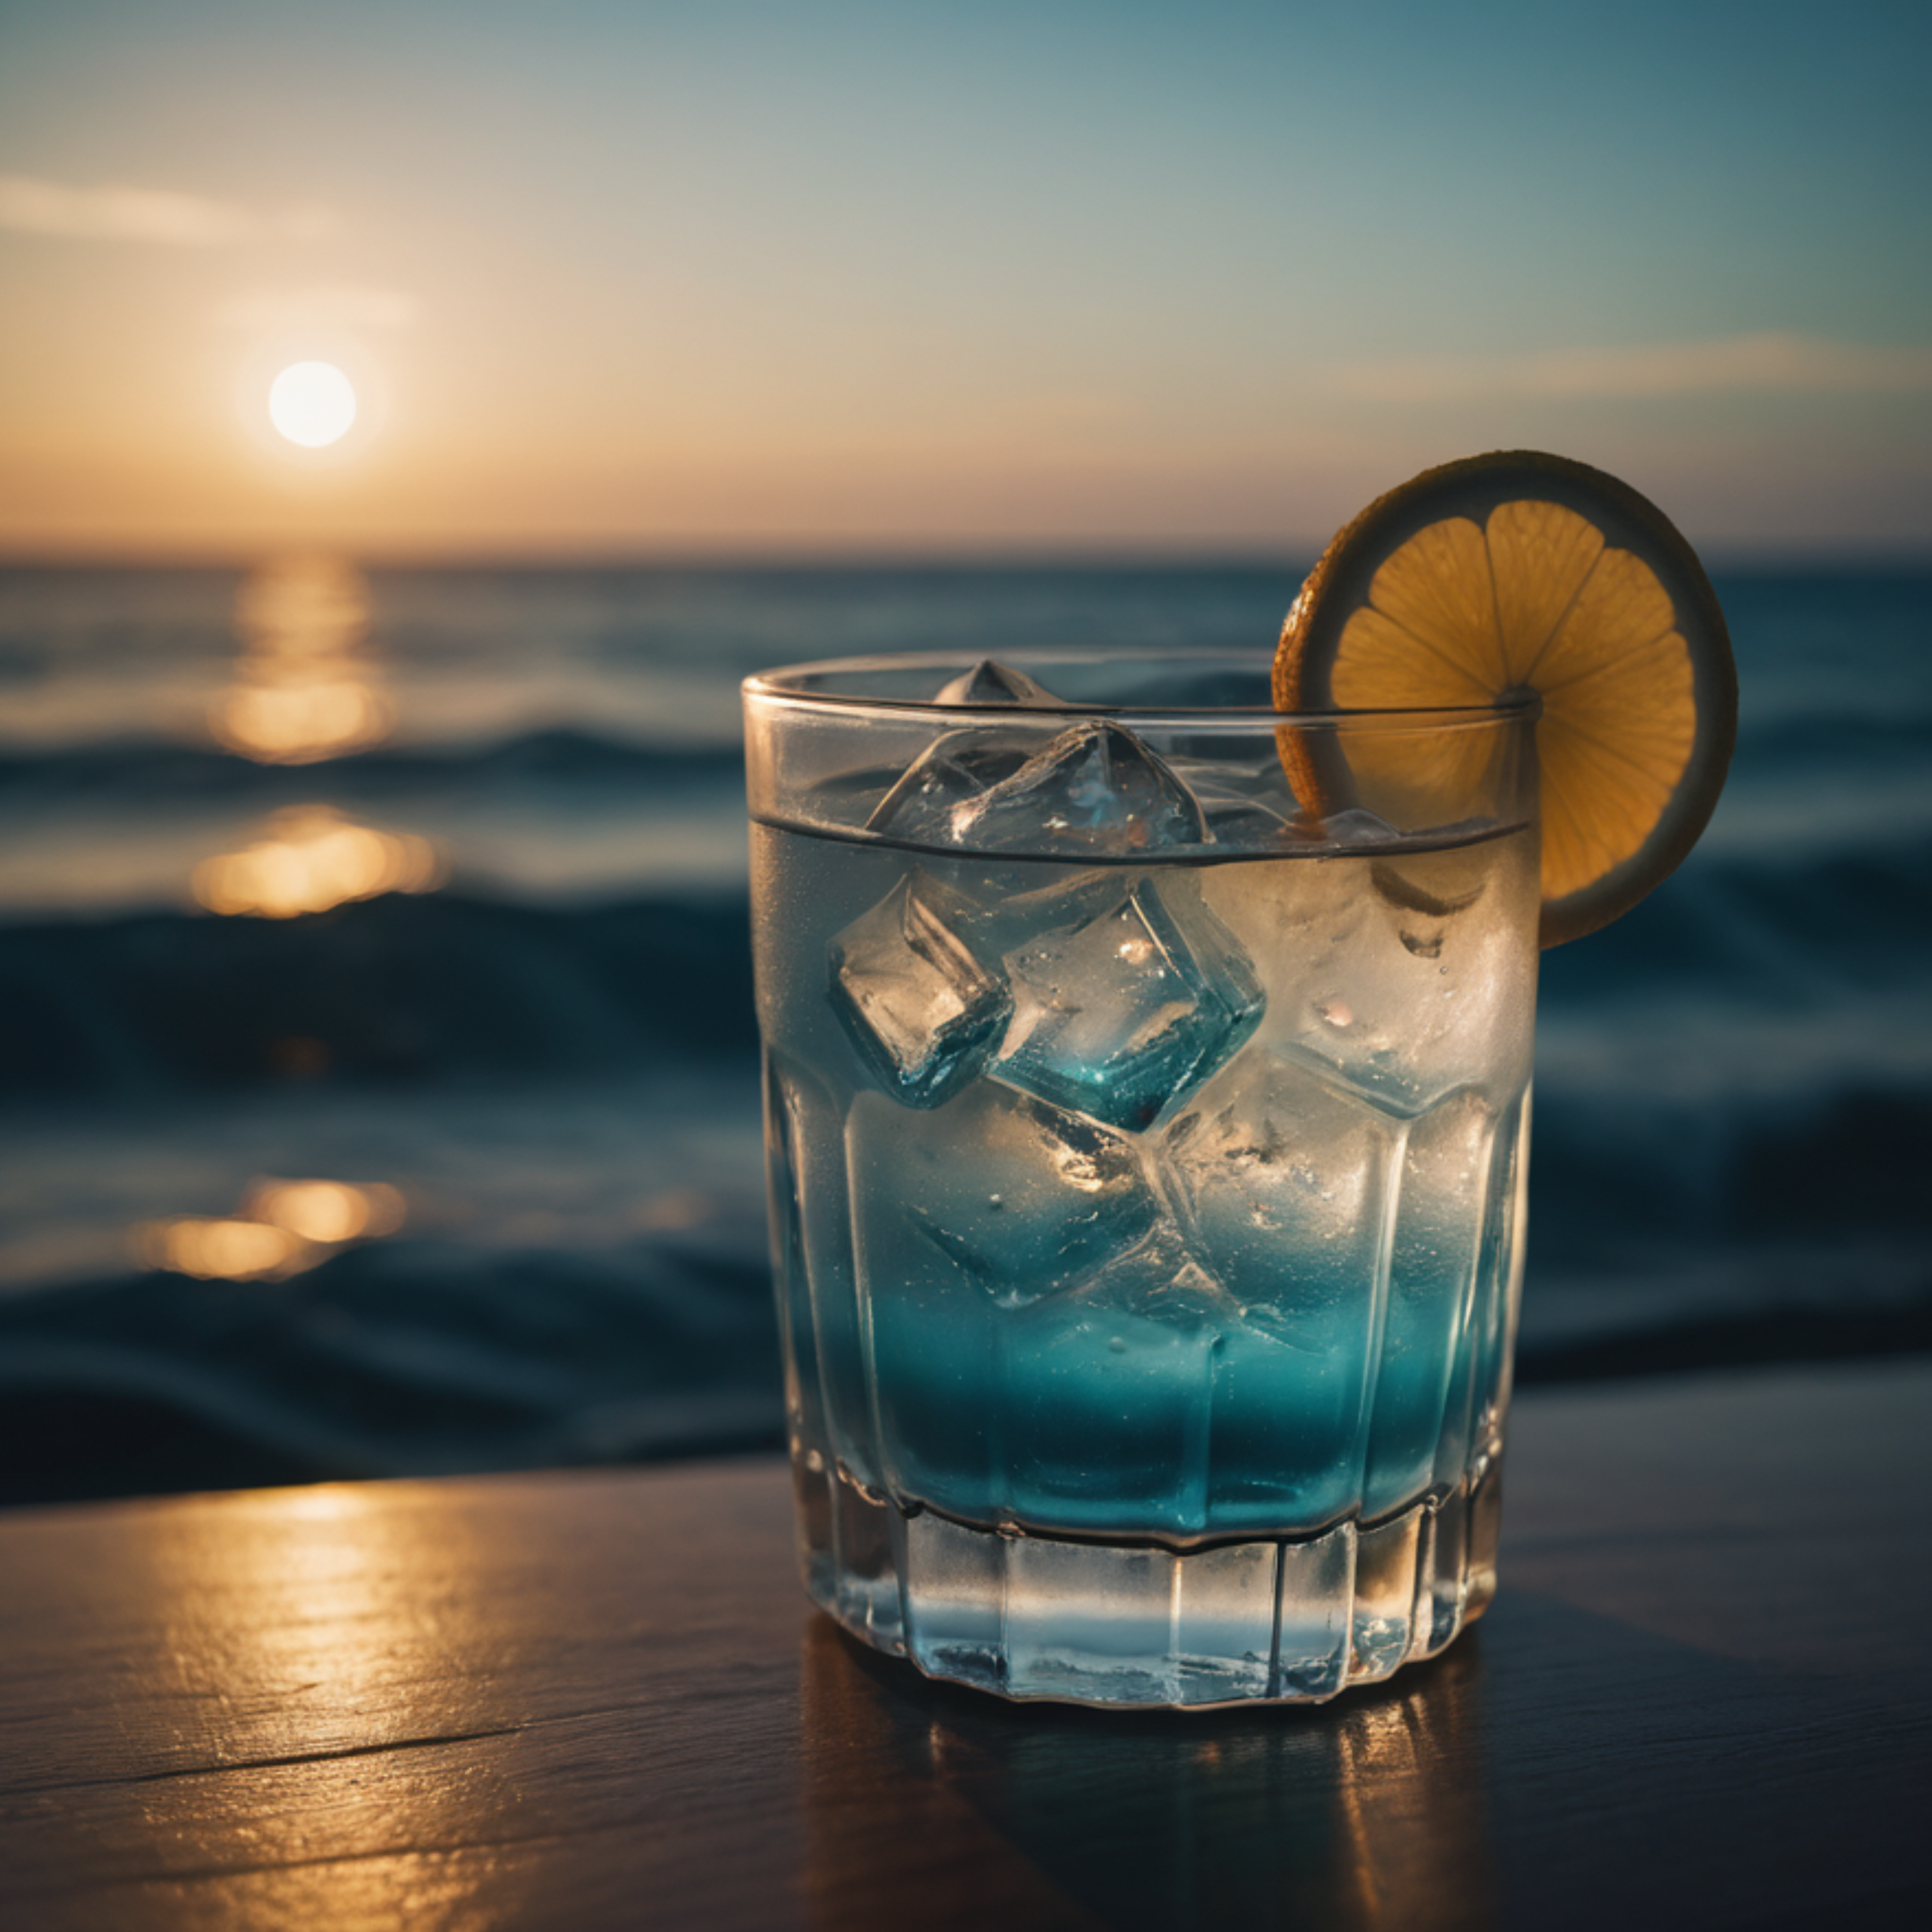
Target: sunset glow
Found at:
768, 282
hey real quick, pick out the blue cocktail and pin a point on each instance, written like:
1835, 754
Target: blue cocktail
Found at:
1147, 1155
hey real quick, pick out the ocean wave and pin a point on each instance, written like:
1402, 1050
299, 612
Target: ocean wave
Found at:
1810, 735
138, 772
1617, 1176
1764, 923
400, 1358
399, 988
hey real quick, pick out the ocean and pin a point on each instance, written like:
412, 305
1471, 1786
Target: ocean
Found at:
378, 1086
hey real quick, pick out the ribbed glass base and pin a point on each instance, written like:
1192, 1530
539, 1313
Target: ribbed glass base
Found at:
1289, 1620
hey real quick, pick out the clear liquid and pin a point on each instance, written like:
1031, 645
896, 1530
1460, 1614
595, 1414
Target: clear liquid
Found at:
1051, 1296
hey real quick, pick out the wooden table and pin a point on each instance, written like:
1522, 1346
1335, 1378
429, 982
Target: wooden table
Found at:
1704, 1698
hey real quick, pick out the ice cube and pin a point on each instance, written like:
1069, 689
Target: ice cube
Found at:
997, 1198
1244, 804
1244, 822
1405, 975
1122, 1012
1008, 906
1281, 1181
1110, 1390
1095, 789
1158, 1279
1282, 1178
924, 1012
965, 1219
951, 773
989, 683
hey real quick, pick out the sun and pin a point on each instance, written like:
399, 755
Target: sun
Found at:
313, 404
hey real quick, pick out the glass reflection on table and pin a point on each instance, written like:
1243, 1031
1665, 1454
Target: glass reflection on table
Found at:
1367, 1812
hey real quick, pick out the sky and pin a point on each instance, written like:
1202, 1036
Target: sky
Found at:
745, 277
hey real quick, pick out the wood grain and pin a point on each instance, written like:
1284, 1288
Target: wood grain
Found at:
592, 1700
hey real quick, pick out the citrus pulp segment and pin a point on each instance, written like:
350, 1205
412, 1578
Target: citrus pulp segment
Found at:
1522, 576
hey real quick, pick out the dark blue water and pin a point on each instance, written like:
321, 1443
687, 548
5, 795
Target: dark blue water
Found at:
541, 1056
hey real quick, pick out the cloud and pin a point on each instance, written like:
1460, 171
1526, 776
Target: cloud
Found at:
1769, 360
146, 214
339, 306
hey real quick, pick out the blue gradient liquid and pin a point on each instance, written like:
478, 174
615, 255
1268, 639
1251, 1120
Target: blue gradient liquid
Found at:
1198, 1218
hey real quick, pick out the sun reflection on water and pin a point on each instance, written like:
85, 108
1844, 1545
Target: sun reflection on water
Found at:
326, 1211
315, 859
281, 1228
212, 1249
305, 687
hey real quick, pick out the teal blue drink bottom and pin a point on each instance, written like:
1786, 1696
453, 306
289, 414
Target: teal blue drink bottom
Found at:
1147, 1148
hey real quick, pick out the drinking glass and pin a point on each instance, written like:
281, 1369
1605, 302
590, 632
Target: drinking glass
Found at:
1147, 1083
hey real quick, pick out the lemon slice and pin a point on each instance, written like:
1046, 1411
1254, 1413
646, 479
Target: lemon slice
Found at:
1516, 574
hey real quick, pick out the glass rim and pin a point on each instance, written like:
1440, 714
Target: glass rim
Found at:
781, 686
